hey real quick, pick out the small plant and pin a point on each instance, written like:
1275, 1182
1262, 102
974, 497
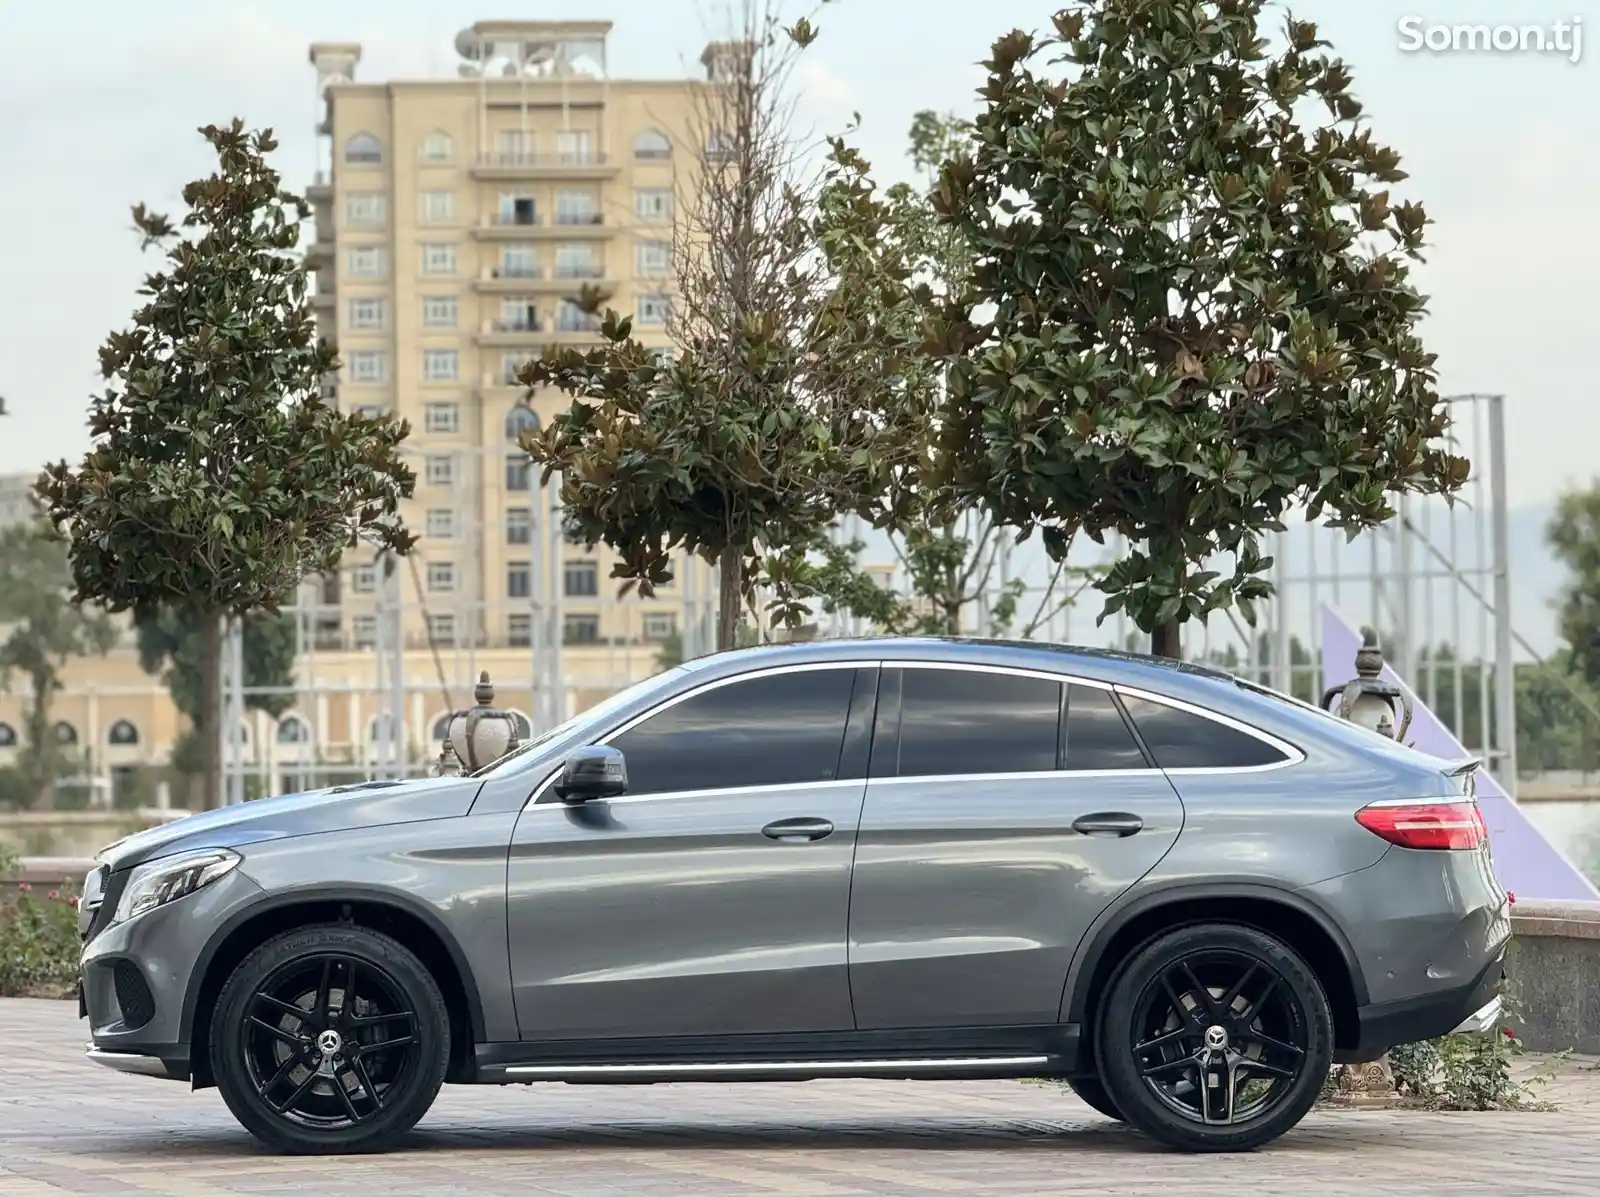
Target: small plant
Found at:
1467, 1072
39, 945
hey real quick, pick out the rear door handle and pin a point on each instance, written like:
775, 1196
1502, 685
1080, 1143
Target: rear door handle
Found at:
798, 831
1114, 823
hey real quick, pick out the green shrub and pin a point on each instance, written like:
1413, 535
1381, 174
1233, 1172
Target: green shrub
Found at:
1466, 1072
39, 945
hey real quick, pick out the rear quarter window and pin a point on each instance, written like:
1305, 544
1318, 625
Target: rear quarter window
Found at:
1180, 739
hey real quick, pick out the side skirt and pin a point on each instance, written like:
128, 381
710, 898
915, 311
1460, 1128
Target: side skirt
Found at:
962, 1053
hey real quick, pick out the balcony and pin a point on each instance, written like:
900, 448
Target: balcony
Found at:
319, 253
511, 333
320, 190
507, 226
579, 165
504, 280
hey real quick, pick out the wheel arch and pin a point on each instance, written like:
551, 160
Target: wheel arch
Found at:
1281, 912
390, 912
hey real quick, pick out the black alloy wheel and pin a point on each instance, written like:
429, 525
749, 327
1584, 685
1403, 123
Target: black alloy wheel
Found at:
334, 1038
1215, 1038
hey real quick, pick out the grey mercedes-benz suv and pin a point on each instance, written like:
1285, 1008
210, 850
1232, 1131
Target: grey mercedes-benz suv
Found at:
894, 858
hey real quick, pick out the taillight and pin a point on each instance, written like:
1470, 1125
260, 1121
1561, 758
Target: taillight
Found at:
1426, 823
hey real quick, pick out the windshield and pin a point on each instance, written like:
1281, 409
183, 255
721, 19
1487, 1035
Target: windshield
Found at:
597, 713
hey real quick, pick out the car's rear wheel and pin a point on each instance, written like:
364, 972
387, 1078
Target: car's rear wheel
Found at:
1091, 1090
330, 1039
1215, 1038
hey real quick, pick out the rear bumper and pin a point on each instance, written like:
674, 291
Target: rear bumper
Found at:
1473, 1007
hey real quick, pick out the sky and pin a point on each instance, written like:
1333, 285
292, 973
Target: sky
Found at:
99, 102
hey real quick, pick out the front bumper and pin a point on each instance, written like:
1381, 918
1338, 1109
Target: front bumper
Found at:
139, 978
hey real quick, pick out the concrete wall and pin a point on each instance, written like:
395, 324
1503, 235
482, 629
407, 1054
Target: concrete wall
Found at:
1555, 974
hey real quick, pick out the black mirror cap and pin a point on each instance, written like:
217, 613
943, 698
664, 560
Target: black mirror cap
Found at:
594, 772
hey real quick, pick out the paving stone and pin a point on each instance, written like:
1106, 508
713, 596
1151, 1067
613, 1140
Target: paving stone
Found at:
68, 1127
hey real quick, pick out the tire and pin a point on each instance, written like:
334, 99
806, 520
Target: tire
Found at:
355, 1077
1091, 1090
1171, 1031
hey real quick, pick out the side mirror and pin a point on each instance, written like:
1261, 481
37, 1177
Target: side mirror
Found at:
593, 772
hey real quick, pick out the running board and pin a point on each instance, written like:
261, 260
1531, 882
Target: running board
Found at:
946, 1068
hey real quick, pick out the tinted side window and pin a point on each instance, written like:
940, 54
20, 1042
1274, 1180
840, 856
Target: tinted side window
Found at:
783, 729
964, 721
1097, 735
1179, 740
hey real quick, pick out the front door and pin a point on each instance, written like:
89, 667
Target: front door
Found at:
1005, 813
713, 897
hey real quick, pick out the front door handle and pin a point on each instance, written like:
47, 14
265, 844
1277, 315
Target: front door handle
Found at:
1115, 823
798, 831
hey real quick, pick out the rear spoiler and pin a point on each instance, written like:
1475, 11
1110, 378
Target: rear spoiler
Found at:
1464, 773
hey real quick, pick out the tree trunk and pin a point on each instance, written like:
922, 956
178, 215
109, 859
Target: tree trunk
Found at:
1166, 641
730, 596
211, 714
42, 753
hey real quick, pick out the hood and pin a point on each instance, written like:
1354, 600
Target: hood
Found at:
337, 808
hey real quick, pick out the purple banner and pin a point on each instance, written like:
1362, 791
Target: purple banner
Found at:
1529, 865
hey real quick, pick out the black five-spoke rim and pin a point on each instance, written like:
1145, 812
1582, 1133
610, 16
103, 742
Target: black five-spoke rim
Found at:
327, 1039
1220, 1037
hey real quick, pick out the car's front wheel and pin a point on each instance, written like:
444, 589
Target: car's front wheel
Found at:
1215, 1038
332, 1038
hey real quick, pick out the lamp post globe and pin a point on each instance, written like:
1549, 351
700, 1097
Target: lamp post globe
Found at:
478, 735
1367, 699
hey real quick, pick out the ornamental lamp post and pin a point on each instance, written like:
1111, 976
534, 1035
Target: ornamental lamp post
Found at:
478, 735
1385, 708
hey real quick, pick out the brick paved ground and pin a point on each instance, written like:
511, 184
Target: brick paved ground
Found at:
69, 1127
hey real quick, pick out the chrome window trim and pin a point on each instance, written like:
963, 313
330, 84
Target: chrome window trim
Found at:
1028, 775
1292, 755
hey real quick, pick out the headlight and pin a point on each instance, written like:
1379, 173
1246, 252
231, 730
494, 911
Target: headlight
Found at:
163, 881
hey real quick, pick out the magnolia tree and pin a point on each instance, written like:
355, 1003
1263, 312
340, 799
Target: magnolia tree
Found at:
769, 417
218, 479
1192, 308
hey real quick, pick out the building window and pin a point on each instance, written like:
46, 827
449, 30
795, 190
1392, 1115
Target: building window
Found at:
441, 418
577, 261
441, 523
573, 147
653, 310
440, 311
442, 629
438, 207
577, 207
663, 356
519, 525
366, 313
652, 145
580, 579
581, 629
440, 365
441, 575
8, 736
438, 146
517, 145
521, 419
511, 367
123, 734
368, 365
438, 257
519, 629
660, 625
519, 471
516, 209
66, 733
570, 317
518, 313
365, 207
652, 259
364, 579
653, 204
364, 630
720, 147
364, 261
292, 729
363, 149
441, 471
519, 580
519, 261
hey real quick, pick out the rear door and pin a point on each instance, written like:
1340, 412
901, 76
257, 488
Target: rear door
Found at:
1005, 811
